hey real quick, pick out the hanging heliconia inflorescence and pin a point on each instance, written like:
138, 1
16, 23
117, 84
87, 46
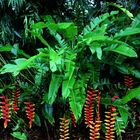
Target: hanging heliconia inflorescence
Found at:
89, 105
64, 129
5, 110
73, 120
30, 111
128, 81
96, 126
15, 100
110, 123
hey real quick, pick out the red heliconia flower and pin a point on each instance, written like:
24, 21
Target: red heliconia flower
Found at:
96, 126
30, 108
16, 94
64, 129
95, 130
110, 123
5, 110
128, 81
89, 105
73, 120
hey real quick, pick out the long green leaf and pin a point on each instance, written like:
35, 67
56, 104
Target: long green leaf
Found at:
130, 15
21, 64
125, 50
131, 94
53, 88
67, 86
69, 81
127, 32
77, 101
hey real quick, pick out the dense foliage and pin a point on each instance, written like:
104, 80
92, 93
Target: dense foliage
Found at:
69, 66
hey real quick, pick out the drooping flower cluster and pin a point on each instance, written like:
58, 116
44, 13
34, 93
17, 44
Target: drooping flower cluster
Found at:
128, 81
5, 110
30, 108
15, 100
64, 129
110, 123
95, 126
73, 120
89, 105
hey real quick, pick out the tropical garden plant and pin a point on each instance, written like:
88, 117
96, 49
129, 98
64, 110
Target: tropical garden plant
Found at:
77, 78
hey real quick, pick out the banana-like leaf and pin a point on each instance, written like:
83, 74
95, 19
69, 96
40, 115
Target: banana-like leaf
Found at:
53, 88
76, 100
67, 86
69, 80
21, 64
125, 50
131, 94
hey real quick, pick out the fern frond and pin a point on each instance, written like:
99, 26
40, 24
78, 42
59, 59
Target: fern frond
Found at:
96, 21
62, 43
128, 13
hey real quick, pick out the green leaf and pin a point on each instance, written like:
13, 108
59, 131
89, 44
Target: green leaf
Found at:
67, 86
119, 126
123, 109
127, 32
130, 15
6, 48
96, 38
131, 94
20, 61
76, 100
39, 25
37, 120
125, 50
55, 60
124, 113
69, 80
99, 52
22, 64
9, 48
9, 68
95, 22
19, 135
68, 29
65, 25
55, 83
96, 47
